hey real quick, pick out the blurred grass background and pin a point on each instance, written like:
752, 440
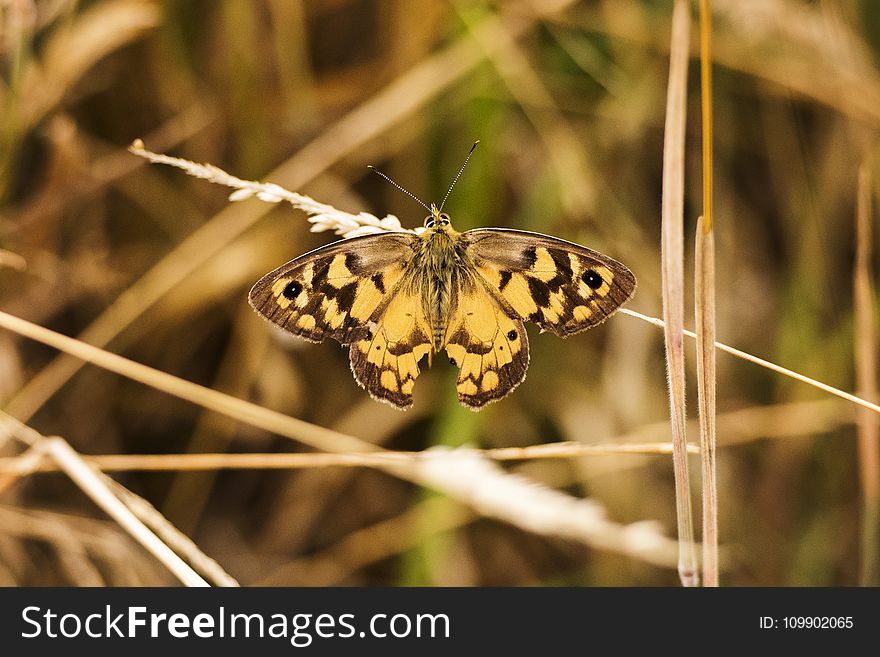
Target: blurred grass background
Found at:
567, 99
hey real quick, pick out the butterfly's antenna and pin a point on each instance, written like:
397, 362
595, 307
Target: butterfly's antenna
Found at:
405, 191
458, 175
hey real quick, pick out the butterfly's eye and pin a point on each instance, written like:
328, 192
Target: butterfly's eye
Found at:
444, 219
429, 221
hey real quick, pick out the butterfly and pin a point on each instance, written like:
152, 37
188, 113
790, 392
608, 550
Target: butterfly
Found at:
396, 297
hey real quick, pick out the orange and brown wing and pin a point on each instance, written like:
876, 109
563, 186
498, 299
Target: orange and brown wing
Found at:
487, 343
385, 362
560, 286
335, 290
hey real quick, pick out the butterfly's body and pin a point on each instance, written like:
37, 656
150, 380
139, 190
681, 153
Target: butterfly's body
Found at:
441, 272
397, 297
438, 269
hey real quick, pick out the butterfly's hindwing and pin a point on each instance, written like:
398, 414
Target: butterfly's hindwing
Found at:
386, 362
490, 348
560, 286
336, 290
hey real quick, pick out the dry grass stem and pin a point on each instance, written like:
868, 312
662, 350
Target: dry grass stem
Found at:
704, 306
33, 461
780, 421
868, 424
310, 434
179, 542
93, 486
785, 44
321, 216
672, 269
864, 403
119, 502
704, 288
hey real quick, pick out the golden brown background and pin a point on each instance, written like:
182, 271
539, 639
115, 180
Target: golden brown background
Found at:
568, 101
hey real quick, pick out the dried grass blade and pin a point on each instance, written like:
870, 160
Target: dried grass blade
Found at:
867, 424
239, 409
173, 537
704, 291
672, 265
739, 353
704, 307
91, 484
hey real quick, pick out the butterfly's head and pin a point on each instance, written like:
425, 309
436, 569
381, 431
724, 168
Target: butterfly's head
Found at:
437, 220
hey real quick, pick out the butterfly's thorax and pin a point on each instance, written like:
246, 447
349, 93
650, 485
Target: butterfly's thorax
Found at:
439, 265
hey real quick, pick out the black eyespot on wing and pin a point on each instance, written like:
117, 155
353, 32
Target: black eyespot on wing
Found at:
291, 290
452, 362
592, 279
511, 335
379, 282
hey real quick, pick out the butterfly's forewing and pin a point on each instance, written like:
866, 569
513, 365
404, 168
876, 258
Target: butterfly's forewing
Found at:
358, 291
488, 345
335, 291
560, 286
